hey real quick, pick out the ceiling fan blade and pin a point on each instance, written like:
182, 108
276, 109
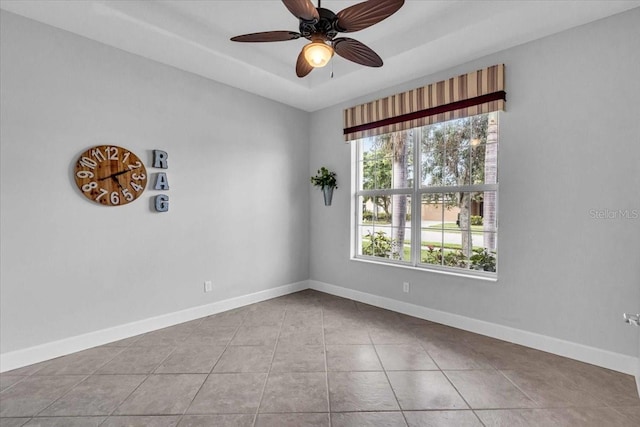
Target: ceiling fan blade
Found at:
302, 9
302, 66
365, 14
357, 52
267, 36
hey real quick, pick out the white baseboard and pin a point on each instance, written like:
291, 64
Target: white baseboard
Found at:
595, 356
19, 358
610, 360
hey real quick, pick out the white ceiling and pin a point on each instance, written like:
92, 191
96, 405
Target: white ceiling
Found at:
423, 37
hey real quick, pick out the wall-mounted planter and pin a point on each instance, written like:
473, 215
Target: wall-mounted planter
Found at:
326, 180
328, 195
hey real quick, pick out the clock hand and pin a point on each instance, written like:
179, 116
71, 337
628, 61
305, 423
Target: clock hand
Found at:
113, 175
116, 180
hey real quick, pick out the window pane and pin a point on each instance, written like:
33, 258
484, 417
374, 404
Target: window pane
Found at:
432, 155
478, 154
456, 245
387, 161
371, 168
431, 233
368, 147
460, 238
456, 235
448, 155
454, 152
485, 258
376, 172
384, 228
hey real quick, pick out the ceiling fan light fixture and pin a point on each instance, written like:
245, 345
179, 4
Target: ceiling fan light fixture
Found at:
318, 53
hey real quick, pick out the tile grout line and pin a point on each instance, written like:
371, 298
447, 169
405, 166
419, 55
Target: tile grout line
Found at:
141, 382
326, 365
456, 389
447, 377
420, 343
129, 395
520, 390
63, 395
147, 375
473, 411
33, 375
388, 380
212, 368
266, 380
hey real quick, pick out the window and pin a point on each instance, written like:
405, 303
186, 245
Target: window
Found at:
426, 197
425, 164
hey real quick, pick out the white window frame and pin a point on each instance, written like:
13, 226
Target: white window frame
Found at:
415, 192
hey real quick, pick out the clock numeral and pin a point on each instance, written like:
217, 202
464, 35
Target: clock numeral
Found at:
102, 193
127, 194
126, 156
98, 155
115, 198
112, 153
136, 187
88, 163
84, 174
90, 186
136, 165
138, 177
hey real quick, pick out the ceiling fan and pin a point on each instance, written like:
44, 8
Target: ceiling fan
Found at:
321, 26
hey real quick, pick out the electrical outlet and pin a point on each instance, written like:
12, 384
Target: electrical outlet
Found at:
208, 286
405, 287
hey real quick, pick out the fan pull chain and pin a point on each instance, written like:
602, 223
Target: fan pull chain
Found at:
331, 69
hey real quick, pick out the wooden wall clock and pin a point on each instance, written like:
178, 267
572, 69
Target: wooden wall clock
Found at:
110, 175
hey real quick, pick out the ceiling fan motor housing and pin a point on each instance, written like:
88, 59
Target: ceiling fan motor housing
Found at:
325, 28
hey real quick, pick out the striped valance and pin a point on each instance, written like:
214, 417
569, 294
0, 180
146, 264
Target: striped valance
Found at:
474, 93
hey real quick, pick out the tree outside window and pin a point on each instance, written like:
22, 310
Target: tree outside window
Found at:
454, 198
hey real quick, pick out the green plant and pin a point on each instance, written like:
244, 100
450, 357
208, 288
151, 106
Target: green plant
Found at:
454, 259
476, 220
448, 258
378, 244
482, 259
325, 178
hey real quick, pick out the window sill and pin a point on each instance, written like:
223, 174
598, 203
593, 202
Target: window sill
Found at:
429, 270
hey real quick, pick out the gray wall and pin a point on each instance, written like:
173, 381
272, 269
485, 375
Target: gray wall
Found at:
239, 197
570, 143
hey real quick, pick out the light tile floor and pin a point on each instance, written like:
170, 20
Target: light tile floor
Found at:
312, 359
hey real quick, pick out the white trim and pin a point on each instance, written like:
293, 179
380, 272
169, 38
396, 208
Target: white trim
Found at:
468, 274
595, 356
39, 353
607, 359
